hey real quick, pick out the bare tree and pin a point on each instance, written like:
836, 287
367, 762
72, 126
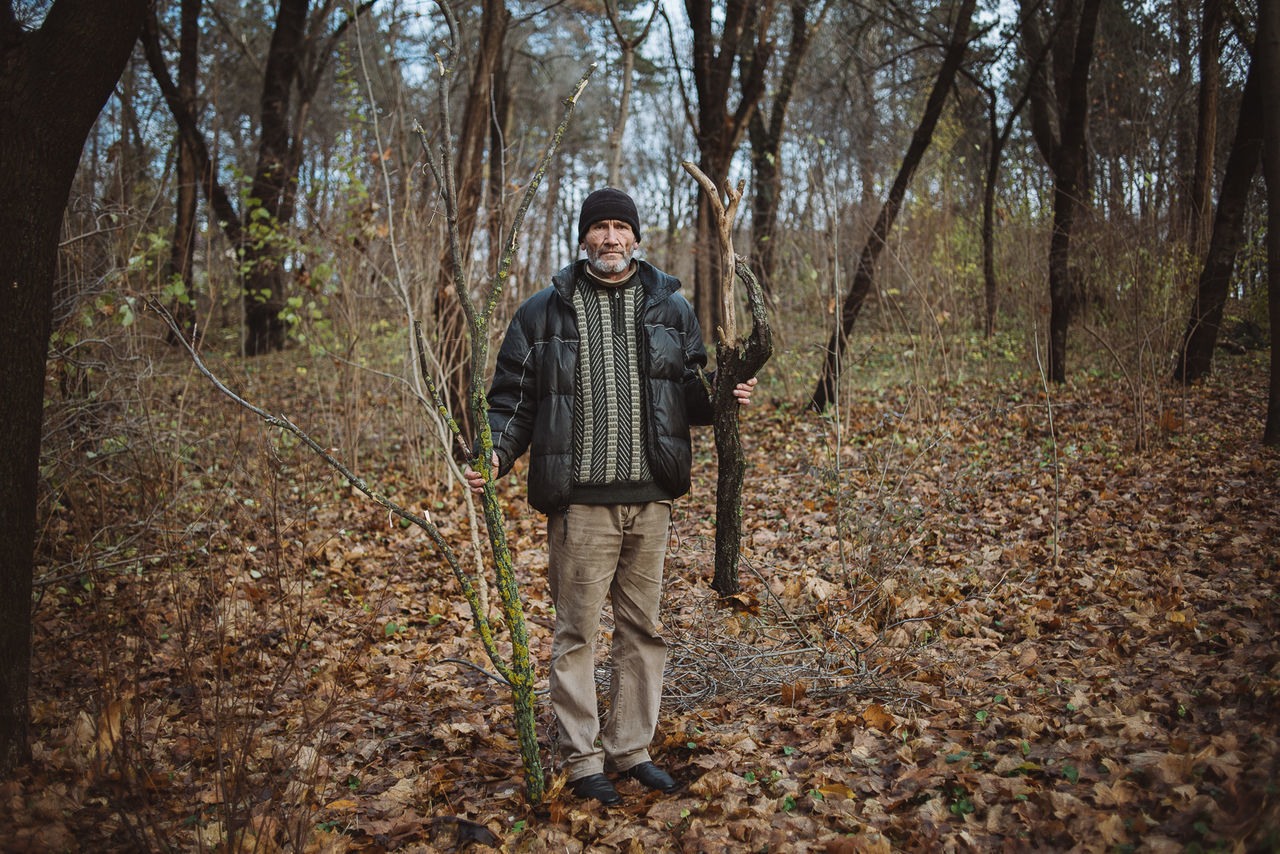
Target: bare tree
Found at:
765, 135
825, 391
1196, 357
627, 45
302, 45
186, 183
717, 127
1269, 51
224, 209
301, 48
737, 360
1059, 121
1201, 190
54, 81
997, 139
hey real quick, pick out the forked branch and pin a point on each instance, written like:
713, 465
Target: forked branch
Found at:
736, 361
725, 215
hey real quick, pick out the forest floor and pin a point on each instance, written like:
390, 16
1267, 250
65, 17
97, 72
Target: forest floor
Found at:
961, 628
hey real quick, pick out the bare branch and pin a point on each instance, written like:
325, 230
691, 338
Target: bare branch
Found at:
451, 557
725, 215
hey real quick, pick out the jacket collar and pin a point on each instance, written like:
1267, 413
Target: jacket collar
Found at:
657, 284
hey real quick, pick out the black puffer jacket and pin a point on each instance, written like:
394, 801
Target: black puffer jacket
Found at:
531, 400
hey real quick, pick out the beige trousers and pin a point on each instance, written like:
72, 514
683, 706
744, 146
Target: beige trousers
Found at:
594, 551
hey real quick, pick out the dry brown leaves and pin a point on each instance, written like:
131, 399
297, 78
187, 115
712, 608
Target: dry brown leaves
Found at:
908, 667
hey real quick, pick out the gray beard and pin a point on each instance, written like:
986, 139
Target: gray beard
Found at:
609, 268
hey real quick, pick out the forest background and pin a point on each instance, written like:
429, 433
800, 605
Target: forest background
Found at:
1009, 563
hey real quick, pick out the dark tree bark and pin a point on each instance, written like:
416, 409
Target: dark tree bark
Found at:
1196, 357
1206, 126
262, 255
1269, 51
300, 51
1070, 194
999, 138
737, 360
863, 276
53, 83
182, 252
1059, 117
501, 104
718, 129
224, 209
765, 136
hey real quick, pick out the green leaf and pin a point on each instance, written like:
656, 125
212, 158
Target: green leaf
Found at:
1070, 772
390, 629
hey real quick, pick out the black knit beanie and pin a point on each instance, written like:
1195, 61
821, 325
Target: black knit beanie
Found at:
608, 203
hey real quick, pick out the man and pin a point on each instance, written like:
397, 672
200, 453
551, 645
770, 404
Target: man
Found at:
598, 376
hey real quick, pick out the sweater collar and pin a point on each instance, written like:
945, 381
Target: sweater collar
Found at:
626, 281
657, 285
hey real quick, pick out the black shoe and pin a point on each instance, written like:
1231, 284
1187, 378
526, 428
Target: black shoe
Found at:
652, 776
596, 786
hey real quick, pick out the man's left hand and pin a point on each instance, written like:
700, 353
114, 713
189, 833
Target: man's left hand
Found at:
742, 391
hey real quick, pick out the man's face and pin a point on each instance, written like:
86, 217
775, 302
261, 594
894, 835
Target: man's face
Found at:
610, 244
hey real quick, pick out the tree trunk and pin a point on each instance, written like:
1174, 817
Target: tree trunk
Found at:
719, 131
735, 363
53, 84
1268, 48
223, 208
263, 254
1070, 192
182, 251
627, 45
990, 285
257, 228
766, 150
1196, 357
825, 391
1206, 126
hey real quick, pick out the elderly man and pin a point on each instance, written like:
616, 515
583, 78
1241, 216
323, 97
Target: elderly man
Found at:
598, 377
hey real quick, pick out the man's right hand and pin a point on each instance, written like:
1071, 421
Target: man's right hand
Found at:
475, 480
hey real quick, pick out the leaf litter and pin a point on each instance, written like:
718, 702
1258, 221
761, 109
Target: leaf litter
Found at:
942, 643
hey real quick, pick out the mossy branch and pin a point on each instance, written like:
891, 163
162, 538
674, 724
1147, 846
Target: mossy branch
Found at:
424, 522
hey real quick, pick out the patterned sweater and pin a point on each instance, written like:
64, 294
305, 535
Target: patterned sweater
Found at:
610, 465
